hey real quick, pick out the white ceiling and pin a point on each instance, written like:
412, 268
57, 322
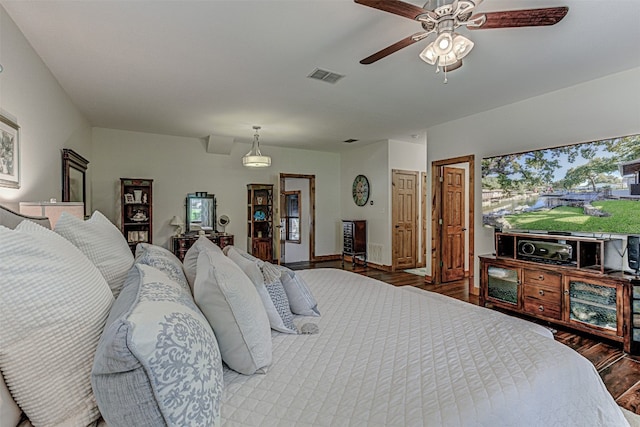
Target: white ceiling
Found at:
195, 68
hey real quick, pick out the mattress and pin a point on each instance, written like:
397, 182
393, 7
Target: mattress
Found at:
406, 357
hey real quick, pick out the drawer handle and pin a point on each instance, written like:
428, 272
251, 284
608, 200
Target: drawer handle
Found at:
541, 292
541, 308
541, 277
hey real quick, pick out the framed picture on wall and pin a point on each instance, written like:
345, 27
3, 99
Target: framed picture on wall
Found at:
9, 153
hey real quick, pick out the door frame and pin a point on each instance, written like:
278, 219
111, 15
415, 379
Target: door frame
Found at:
436, 216
312, 209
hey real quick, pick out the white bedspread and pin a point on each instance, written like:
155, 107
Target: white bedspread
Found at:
406, 357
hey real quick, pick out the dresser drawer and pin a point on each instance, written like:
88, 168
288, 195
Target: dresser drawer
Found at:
543, 277
542, 300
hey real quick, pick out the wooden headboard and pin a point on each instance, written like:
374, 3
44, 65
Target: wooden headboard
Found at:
11, 219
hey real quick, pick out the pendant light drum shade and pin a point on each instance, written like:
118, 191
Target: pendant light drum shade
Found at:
254, 158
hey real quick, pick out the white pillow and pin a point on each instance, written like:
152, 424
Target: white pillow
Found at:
9, 411
191, 257
234, 310
102, 243
54, 306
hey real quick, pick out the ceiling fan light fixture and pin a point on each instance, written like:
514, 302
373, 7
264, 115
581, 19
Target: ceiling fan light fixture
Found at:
443, 43
461, 46
254, 158
429, 55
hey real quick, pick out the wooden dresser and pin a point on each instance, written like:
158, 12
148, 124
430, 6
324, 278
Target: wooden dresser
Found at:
354, 234
181, 244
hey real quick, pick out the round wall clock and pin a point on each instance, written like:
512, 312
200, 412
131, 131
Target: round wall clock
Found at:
360, 190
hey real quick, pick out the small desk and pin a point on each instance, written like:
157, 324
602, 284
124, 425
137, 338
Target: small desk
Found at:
181, 244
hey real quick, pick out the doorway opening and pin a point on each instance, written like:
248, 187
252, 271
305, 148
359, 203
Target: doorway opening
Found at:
299, 222
452, 225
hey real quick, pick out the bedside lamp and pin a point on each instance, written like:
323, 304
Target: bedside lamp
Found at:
177, 222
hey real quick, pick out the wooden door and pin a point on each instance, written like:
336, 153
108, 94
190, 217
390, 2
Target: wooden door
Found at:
453, 224
404, 200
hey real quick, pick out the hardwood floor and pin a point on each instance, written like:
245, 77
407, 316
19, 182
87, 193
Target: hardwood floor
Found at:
620, 372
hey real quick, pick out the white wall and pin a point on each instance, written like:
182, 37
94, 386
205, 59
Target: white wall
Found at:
598, 109
296, 252
181, 165
47, 118
376, 161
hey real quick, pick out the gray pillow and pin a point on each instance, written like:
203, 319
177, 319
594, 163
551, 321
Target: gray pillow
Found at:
278, 298
301, 299
158, 361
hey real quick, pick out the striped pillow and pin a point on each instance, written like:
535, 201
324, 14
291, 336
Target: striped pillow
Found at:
102, 243
54, 306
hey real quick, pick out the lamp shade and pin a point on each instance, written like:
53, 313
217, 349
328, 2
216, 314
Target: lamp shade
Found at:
176, 221
52, 210
254, 158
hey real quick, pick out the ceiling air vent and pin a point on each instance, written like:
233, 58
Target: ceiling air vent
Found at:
350, 141
325, 76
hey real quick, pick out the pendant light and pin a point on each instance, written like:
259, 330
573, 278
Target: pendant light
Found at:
254, 158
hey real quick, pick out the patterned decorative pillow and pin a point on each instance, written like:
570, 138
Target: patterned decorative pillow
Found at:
54, 303
191, 257
301, 299
162, 259
158, 361
234, 310
271, 292
278, 299
102, 243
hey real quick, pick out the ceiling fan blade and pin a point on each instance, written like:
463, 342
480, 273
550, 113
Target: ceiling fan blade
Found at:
521, 18
397, 7
408, 41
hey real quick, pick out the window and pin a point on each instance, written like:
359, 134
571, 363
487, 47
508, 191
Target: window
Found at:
292, 216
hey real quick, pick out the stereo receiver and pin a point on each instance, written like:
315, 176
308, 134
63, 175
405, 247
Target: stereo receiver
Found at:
545, 250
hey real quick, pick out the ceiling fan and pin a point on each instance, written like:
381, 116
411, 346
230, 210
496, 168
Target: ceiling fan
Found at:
443, 17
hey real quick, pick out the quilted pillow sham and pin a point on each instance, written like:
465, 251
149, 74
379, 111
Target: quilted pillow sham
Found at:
158, 362
163, 260
234, 310
54, 306
102, 243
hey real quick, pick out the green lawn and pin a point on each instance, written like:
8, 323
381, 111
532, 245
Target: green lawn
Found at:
624, 219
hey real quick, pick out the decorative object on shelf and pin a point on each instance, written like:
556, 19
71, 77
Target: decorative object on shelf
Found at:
137, 196
223, 221
259, 215
9, 153
52, 209
443, 18
128, 198
360, 190
139, 216
178, 223
254, 158
74, 168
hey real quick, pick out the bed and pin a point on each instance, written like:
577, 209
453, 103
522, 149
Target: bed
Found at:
400, 356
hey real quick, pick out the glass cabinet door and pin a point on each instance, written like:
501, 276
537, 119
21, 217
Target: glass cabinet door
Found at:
502, 284
593, 304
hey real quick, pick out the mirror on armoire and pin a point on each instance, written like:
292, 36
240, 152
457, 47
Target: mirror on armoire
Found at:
201, 212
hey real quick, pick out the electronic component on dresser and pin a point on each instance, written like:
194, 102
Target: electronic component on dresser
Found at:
545, 250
